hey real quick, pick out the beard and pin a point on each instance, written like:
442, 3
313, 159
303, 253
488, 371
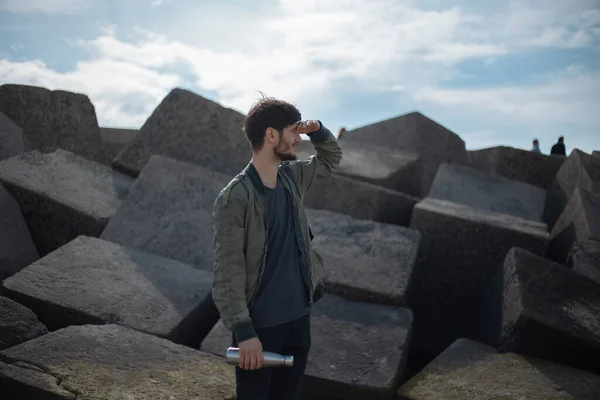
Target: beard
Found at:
284, 154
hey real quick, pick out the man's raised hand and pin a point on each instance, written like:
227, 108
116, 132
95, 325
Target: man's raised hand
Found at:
308, 126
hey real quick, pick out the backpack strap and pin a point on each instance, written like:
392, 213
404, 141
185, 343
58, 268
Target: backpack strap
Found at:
288, 171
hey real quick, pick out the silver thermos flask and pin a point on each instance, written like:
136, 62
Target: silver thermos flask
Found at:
271, 359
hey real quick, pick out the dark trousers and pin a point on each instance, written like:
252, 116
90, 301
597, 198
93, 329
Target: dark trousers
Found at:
280, 383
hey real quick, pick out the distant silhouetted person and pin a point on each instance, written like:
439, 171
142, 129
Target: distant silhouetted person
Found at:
559, 147
536, 147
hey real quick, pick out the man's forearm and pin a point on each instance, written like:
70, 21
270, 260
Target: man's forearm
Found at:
327, 148
323, 163
231, 304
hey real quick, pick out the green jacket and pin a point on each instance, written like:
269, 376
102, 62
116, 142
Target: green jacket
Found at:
240, 232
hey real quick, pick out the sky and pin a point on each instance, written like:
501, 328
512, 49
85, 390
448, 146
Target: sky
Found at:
495, 73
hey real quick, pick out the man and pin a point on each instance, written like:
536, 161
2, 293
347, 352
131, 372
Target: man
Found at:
266, 274
559, 147
536, 147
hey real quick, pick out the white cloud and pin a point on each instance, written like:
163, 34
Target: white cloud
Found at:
539, 23
17, 47
44, 6
559, 98
157, 3
308, 51
563, 103
302, 51
113, 86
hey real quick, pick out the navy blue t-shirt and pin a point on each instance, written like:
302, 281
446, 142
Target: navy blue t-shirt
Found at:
283, 295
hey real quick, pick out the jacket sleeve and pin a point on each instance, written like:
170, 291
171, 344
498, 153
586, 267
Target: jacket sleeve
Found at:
229, 270
322, 164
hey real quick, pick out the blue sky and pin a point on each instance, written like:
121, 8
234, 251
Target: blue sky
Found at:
499, 73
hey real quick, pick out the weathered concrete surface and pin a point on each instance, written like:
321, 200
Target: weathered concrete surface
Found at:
11, 138
580, 221
62, 195
114, 139
585, 259
579, 170
540, 308
169, 212
413, 133
218, 340
521, 165
91, 281
360, 200
489, 192
596, 153
52, 119
16, 246
18, 324
190, 128
110, 362
23, 381
382, 166
470, 370
365, 260
358, 349
461, 249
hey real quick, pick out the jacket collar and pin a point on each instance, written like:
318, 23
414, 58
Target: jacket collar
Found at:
252, 173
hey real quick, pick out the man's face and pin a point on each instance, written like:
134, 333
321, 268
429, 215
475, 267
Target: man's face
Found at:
285, 149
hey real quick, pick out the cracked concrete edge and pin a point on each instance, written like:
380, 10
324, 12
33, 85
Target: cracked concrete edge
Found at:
47, 381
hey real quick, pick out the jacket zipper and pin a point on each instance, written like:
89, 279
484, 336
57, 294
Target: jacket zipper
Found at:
264, 258
305, 253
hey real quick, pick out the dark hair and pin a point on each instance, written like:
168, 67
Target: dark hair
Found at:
268, 113
560, 139
535, 141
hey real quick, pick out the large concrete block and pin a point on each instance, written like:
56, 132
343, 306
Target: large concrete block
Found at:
365, 260
91, 281
358, 351
360, 200
461, 250
521, 165
579, 170
62, 195
16, 245
489, 192
580, 221
18, 324
23, 381
11, 138
52, 119
190, 128
382, 166
114, 139
111, 362
585, 259
470, 370
540, 308
413, 133
169, 212
218, 340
